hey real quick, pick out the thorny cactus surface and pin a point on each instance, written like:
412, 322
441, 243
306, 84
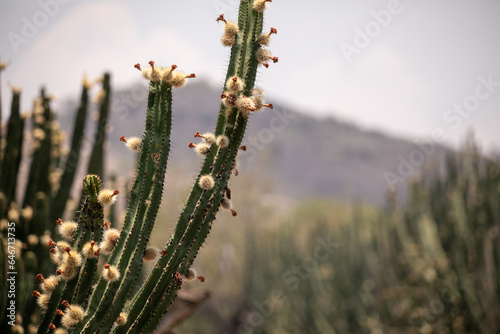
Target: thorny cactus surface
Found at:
93, 289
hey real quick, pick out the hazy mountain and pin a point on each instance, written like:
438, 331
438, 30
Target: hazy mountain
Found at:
302, 155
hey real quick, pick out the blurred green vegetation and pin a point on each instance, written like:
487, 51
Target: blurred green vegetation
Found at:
429, 265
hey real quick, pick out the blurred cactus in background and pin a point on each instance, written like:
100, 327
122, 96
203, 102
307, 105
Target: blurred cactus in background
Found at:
430, 265
87, 281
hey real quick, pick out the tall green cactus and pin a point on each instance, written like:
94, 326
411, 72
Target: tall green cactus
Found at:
100, 299
13, 151
73, 157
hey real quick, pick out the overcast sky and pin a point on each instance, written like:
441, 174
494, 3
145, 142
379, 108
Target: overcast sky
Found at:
409, 68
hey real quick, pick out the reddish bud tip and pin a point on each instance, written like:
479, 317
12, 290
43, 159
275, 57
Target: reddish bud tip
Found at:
191, 145
36, 294
266, 65
67, 249
92, 243
65, 303
59, 312
223, 95
59, 221
106, 266
123, 139
40, 277
233, 213
107, 225
273, 31
59, 272
138, 66
192, 75
270, 105
228, 193
128, 272
164, 252
174, 67
221, 18
197, 134
274, 59
201, 278
243, 148
152, 64
116, 192
52, 327
52, 250
51, 243
178, 278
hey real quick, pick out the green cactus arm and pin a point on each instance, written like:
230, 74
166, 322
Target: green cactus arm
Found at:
72, 159
96, 162
25, 299
50, 312
131, 257
88, 275
90, 219
13, 151
38, 178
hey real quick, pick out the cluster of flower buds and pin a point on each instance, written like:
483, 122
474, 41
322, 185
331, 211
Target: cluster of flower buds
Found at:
47, 285
167, 74
230, 31
133, 143
232, 98
192, 274
208, 139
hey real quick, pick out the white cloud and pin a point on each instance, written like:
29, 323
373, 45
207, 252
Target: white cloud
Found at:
94, 38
